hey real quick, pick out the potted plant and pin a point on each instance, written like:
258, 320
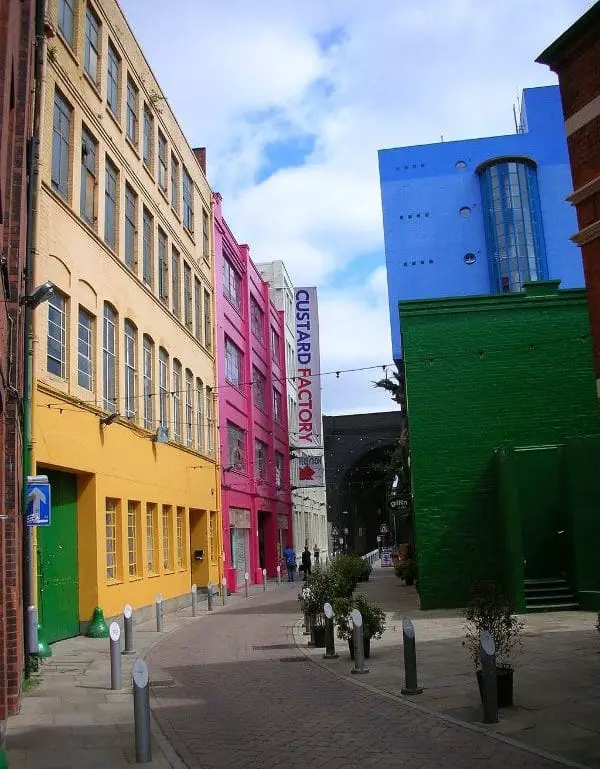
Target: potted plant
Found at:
312, 597
489, 610
364, 572
373, 621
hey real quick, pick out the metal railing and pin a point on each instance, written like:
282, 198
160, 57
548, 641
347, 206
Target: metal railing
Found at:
371, 557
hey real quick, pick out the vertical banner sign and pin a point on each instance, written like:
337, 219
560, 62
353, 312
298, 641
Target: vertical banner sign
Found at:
308, 360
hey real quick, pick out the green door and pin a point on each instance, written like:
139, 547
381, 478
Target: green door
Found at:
540, 503
58, 582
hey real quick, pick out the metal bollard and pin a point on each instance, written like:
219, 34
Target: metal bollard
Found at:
224, 589
330, 653
410, 659
264, 579
209, 597
278, 575
128, 628
246, 583
141, 713
32, 632
358, 642
159, 614
489, 682
306, 623
115, 656
194, 600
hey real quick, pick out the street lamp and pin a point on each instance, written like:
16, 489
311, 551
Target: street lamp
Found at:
38, 295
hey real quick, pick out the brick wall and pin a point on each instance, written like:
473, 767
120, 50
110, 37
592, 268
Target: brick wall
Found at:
16, 40
482, 372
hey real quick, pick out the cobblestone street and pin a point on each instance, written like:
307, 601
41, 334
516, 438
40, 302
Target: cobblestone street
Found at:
235, 691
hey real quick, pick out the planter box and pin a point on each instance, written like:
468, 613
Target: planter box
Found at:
504, 678
366, 647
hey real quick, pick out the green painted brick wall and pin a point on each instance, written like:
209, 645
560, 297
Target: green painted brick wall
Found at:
482, 372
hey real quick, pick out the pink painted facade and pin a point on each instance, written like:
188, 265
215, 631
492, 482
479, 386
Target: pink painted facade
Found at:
253, 421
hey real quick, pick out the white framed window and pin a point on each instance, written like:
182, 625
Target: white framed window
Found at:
233, 363
91, 52
109, 358
130, 369
131, 203
188, 201
199, 415
57, 335
87, 202
278, 470
163, 388
177, 400
259, 388
189, 408
85, 350
113, 80
132, 111
232, 285
148, 382
236, 447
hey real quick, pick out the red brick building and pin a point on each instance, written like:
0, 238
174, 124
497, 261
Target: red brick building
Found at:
16, 73
575, 57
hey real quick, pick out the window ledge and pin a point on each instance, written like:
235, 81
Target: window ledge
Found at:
135, 578
94, 85
114, 118
134, 146
114, 582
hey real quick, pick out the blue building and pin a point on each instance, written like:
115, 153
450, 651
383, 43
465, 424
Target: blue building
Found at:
480, 216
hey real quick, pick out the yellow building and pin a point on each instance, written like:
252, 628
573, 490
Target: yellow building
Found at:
124, 397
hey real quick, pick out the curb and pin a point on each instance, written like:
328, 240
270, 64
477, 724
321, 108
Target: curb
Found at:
433, 713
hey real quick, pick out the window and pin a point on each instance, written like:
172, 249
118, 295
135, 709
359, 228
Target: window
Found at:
189, 408
257, 320
188, 201
163, 388
210, 421
259, 384
277, 406
236, 447
85, 350
148, 382
151, 513
275, 342
167, 514
174, 184
199, 415
61, 141
180, 532
205, 240
260, 459
177, 400
163, 267
187, 295
130, 228
197, 309
233, 363
91, 44
148, 148
113, 81
162, 162
208, 341
132, 111
111, 196
212, 538
148, 249
87, 206
109, 358
175, 279
133, 512
57, 335
290, 362
232, 285
278, 470
112, 525
130, 369
65, 20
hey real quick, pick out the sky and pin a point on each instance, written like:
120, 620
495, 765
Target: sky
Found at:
292, 101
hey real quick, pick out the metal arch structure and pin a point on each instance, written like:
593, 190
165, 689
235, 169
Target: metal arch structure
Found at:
348, 442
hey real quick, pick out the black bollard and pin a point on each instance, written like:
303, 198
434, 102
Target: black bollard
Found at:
410, 659
141, 713
359, 645
330, 653
209, 597
489, 680
115, 656
128, 628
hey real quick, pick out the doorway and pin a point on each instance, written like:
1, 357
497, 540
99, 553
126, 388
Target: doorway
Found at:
239, 553
261, 539
57, 563
199, 546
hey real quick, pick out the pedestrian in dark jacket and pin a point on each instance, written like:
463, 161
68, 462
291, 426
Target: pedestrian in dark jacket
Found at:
306, 562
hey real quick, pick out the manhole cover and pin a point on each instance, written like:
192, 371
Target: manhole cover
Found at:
292, 659
273, 646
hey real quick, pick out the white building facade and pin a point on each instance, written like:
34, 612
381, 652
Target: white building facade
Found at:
309, 504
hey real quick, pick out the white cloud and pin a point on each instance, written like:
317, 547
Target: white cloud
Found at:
358, 76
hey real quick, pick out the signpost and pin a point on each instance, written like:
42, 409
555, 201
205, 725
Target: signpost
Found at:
39, 506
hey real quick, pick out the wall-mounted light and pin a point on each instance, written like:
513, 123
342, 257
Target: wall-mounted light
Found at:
110, 418
38, 295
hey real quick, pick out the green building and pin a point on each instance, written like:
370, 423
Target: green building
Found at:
505, 446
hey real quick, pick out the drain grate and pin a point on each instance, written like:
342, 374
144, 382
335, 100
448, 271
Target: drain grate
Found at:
273, 646
292, 659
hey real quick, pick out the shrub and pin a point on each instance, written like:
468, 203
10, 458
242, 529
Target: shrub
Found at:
373, 617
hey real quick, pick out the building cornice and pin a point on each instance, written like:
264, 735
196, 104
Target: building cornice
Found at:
587, 234
585, 192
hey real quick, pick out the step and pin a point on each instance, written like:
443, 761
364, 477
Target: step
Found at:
547, 590
551, 607
545, 581
537, 599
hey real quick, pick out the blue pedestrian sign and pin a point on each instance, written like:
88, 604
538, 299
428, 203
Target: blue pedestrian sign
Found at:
38, 500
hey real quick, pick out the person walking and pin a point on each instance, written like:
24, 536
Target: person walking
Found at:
290, 562
306, 562
316, 556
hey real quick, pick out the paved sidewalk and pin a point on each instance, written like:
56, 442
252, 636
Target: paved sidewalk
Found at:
71, 718
557, 676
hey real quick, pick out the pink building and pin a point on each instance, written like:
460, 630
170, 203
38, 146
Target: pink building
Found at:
253, 421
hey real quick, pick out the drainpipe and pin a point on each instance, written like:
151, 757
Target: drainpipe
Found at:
33, 195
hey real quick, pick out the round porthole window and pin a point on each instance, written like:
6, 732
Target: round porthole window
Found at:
460, 165
469, 258
465, 212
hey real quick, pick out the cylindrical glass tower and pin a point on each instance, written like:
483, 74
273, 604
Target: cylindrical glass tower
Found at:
513, 222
